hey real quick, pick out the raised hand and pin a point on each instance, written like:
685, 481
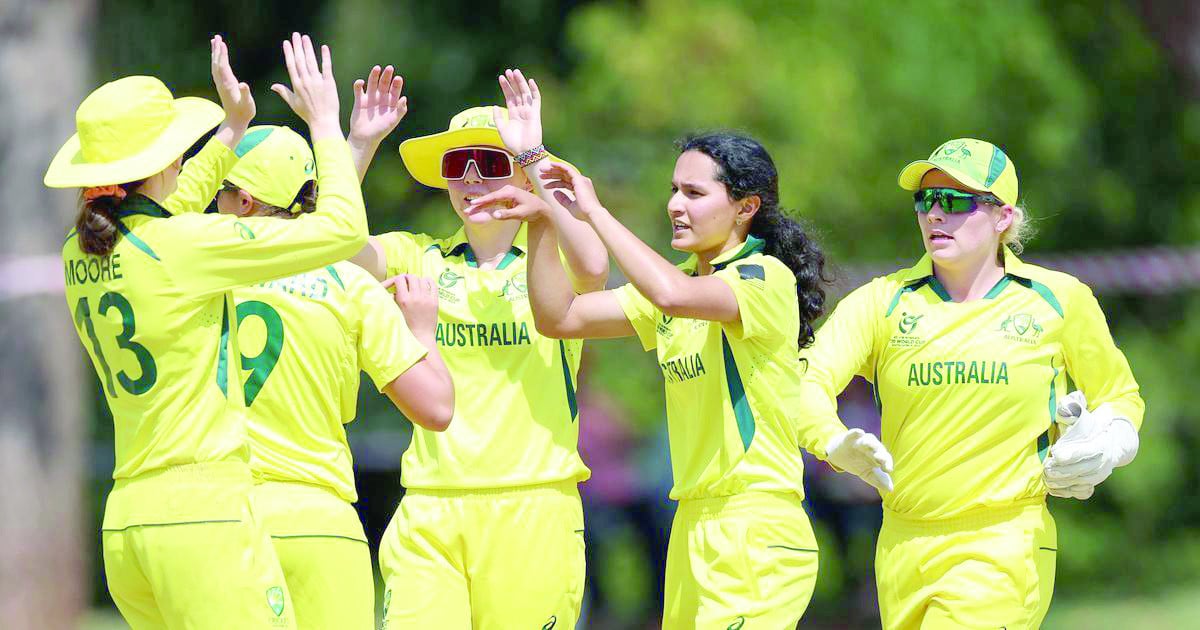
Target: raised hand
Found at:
378, 106
509, 202
235, 96
582, 201
313, 93
522, 130
418, 300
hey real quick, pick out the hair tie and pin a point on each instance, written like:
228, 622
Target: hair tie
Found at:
96, 192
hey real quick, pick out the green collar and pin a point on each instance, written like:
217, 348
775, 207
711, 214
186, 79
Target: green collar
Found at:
922, 273
459, 246
752, 245
141, 204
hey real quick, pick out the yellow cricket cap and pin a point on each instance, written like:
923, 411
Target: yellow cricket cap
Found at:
974, 163
128, 130
474, 127
274, 162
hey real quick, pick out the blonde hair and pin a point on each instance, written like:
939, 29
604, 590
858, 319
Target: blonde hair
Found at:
1017, 232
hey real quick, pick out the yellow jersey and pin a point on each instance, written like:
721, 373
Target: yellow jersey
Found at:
154, 315
515, 413
968, 391
304, 340
732, 388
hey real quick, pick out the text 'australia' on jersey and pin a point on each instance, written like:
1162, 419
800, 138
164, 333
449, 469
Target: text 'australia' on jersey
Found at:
731, 388
968, 390
515, 413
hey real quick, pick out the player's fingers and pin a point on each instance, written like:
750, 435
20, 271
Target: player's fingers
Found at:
1066, 470
881, 480
510, 97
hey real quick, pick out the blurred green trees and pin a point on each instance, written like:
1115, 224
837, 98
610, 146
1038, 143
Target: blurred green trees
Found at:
843, 94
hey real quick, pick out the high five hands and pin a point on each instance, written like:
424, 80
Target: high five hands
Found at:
313, 92
235, 96
521, 130
378, 106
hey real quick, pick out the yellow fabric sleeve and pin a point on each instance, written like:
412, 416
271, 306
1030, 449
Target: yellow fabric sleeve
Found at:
641, 313
844, 347
212, 253
386, 346
201, 178
1094, 362
402, 251
766, 297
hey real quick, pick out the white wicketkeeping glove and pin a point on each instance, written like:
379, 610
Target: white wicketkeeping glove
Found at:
862, 454
1094, 443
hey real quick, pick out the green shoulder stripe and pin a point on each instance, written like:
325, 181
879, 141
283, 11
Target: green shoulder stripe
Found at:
1043, 291
139, 243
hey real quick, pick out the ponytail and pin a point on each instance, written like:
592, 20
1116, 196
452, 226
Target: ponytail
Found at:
786, 239
97, 223
746, 169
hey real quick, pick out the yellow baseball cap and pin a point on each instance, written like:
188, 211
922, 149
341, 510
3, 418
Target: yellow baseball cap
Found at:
974, 163
128, 130
274, 162
474, 127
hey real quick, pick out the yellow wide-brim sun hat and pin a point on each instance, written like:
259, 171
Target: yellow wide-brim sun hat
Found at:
474, 127
274, 163
128, 130
973, 163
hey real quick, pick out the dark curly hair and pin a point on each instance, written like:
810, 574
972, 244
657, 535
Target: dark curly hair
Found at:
746, 169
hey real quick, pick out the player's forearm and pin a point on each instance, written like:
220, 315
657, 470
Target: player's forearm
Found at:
654, 276
201, 178
586, 257
816, 419
363, 153
550, 292
425, 392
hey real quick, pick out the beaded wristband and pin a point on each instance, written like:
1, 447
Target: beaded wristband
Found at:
525, 158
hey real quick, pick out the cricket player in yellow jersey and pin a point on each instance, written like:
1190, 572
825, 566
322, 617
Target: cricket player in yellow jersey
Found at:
971, 351
304, 340
490, 532
150, 297
727, 325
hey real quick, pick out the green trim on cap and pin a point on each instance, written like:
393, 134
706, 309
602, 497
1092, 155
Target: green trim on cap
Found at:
996, 167
251, 140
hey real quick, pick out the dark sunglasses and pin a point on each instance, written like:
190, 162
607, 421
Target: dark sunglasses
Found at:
491, 163
952, 201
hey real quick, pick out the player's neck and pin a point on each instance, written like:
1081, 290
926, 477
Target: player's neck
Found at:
491, 241
970, 280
